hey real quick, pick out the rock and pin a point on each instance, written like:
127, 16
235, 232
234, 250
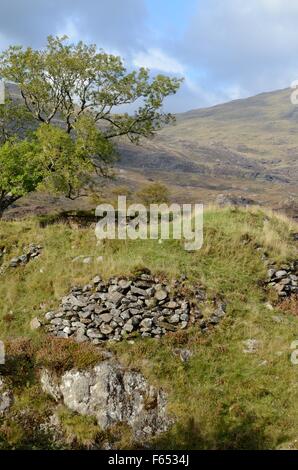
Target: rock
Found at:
172, 305
50, 385
96, 280
6, 398
251, 346
138, 291
14, 262
115, 298
107, 311
174, 318
280, 274
184, 354
49, 316
56, 321
113, 395
269, 306
106, 329
35, 324
87, 260
128, 327
106, 317
233, 200
146, 324
161, 294
124, 284
80, 336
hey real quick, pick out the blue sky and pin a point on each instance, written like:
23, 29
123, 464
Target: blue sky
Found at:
225, 49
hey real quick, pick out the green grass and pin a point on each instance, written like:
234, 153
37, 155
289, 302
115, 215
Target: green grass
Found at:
221, 398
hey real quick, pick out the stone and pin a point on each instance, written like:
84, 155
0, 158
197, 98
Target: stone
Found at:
96, 280
251, 346
113, 395
115, 298
138, 291
146, 324
184, 317
184, 354
50, 385
280, 274
6, 398
128, 327
80, 336
49, 316
174, 318
106, 329
56, 321
14, 262
124, 284
172, 305
125, 315
106, 317
94, 334
35, 324
161, 295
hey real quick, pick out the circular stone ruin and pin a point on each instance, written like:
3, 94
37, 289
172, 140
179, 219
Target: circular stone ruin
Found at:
125, 307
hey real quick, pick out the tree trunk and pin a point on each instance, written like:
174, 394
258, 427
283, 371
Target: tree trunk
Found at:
6, 201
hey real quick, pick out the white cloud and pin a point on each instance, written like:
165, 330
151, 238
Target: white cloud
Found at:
158, 60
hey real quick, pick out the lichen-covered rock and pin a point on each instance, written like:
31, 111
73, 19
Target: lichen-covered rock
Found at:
5, 398
112, 394
50, 384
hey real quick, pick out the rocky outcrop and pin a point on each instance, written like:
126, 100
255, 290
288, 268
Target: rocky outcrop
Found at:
112, 395
284, 280
123, 307
233, 200
32, 252
5, 397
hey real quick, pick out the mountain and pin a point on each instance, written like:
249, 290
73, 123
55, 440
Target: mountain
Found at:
245, 149
247, 146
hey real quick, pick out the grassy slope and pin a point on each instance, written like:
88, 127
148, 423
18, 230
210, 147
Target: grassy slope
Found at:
222, 398
233, 147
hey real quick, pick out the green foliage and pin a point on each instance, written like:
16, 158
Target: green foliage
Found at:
78, 87
67, 80
20, 170
80, 431
155, 193
14, 120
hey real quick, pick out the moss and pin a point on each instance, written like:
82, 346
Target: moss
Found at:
80, 431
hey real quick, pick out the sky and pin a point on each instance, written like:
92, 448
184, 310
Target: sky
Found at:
224, 49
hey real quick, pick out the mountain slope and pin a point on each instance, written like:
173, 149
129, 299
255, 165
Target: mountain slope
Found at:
246, 145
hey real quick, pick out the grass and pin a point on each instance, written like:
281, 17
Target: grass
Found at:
221, 398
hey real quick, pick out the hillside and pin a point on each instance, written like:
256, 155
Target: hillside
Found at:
246, 147
228, 386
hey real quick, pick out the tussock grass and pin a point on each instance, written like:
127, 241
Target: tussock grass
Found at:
222, 397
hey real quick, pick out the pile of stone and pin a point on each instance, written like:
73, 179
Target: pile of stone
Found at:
123, 307
284, 280
32, 252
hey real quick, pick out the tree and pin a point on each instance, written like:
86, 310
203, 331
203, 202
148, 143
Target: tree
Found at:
15, 120
72, 91
64, 81
154, 193
69, 161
